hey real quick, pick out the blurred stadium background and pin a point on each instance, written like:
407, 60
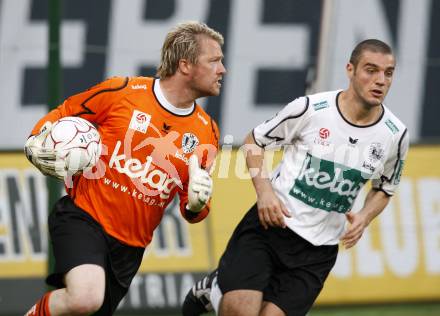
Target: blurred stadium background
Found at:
275, 51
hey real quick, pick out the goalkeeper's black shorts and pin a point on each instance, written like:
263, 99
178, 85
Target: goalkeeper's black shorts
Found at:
78, 239
289, 270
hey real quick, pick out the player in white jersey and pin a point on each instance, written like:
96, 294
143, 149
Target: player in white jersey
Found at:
282, 251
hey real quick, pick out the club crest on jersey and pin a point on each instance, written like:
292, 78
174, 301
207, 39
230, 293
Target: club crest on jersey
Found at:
140, 121
375, 152
189, 142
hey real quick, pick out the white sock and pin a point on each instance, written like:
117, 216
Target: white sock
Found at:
216, 295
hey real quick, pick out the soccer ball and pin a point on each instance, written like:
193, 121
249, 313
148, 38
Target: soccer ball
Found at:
77, 144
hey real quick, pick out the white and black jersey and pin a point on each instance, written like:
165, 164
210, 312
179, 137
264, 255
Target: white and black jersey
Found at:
327, 160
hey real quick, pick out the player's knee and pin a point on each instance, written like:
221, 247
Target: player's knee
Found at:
85, 303
241, 303
234, 309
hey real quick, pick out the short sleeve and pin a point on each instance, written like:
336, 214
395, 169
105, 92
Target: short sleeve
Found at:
92, 104
390, 177
283, 127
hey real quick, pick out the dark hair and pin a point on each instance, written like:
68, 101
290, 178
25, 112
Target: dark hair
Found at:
373, 45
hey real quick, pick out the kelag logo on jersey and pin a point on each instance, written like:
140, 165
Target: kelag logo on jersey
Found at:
160, 181
327, 185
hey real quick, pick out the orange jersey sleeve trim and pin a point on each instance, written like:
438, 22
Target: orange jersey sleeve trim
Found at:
193, 217
91, 104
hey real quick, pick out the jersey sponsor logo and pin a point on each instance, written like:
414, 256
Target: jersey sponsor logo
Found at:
320, 105
368, 166
393, 128
158, 180
140, 121
139, 86
327, 185
189, 142
148, 200
204, 121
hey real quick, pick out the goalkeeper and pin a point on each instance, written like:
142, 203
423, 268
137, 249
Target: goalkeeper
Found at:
159, 143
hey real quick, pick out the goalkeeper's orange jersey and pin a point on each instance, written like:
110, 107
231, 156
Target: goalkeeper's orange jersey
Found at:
146, 148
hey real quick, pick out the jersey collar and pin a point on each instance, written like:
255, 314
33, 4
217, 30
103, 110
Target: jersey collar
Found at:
355, 125
167, 105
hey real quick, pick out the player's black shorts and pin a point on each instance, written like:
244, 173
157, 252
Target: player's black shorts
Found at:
78, 239
289, 270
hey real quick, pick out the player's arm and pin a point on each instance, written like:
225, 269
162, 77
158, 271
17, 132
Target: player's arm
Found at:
92, 105
375, 203
270, 208
195, 197
43, 159
282, 129
196, 193
383, 188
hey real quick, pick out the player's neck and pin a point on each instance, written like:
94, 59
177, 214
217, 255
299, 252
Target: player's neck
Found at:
177, 93
356, 111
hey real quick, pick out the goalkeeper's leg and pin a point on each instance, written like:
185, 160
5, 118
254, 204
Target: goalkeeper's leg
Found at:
83, 295
41, 308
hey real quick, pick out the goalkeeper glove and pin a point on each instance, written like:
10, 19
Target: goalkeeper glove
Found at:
199, 187
42, 158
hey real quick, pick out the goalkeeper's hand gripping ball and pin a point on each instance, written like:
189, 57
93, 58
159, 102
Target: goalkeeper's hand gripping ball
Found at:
66, 147
41, 157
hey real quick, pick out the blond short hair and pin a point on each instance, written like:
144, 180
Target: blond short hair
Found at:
182, 43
